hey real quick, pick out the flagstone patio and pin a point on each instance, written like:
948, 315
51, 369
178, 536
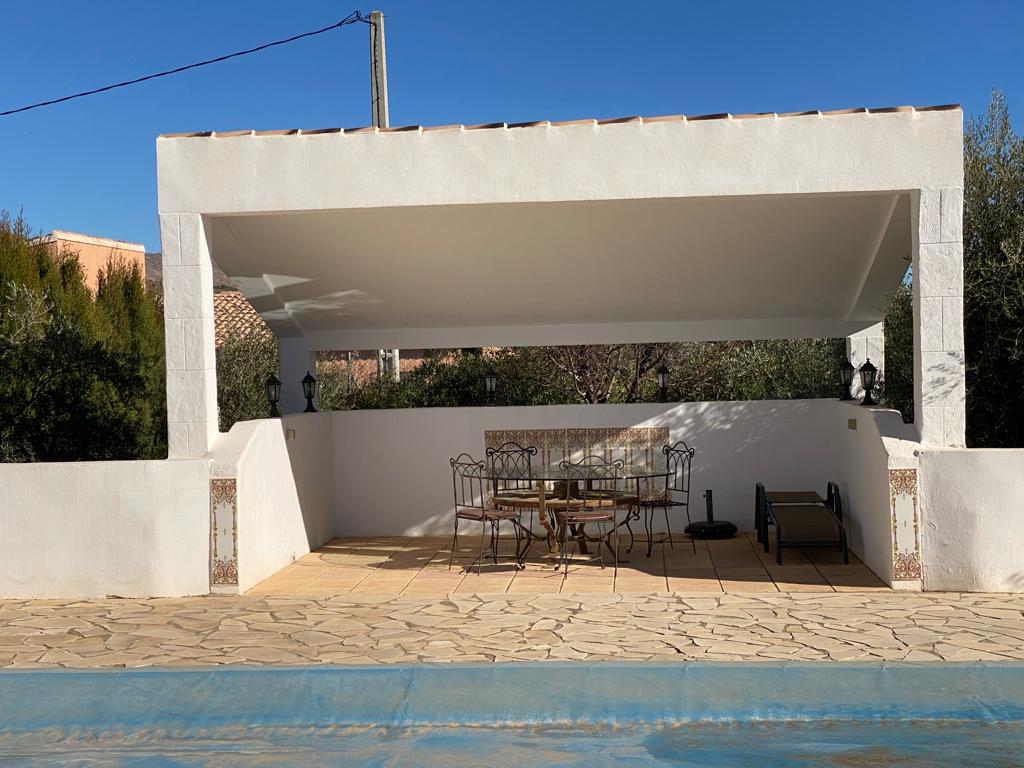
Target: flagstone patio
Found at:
418, 567
821, 626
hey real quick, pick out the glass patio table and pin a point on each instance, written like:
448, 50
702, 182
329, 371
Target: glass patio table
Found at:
535, 479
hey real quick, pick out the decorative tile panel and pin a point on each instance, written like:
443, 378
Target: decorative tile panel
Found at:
634, 445
224, 531
906, 537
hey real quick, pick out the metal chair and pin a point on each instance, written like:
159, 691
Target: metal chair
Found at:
472, 502
510, 466
596, 484
678, 462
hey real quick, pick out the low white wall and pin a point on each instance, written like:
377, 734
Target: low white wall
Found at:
93, 529
861, 446
973, 519
391, 472
283, 472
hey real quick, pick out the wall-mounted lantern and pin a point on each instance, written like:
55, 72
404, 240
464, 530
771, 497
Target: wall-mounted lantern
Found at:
662, 374
868, 380
309, 391
491, 384
846, 371
273, 388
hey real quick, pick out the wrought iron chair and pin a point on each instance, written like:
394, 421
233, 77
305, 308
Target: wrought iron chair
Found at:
472, 502
678, 462
510, 466
591, 494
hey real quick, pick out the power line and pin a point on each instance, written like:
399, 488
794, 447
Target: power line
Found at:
352, 18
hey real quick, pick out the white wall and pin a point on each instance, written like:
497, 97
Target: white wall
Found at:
284, 502
391, 472
861, 466
93, 529
973, 519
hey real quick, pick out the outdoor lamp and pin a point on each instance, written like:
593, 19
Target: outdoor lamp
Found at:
309, 391
846, 371
868, 379
491, 383
662, 374
273, 387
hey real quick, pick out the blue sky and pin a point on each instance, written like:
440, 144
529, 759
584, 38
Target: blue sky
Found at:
89, 165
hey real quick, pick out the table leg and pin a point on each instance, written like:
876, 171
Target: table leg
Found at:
542, 513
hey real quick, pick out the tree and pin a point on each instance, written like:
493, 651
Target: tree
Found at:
994, 278
244, 361
80, 377
898, 373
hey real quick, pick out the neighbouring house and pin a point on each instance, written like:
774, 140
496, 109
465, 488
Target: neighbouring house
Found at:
94, 252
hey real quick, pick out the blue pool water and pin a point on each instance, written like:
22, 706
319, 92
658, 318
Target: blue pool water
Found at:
707, 714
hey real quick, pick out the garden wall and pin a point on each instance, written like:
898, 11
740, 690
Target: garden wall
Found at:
104, 528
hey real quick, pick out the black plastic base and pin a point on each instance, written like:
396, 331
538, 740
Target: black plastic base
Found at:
719, 529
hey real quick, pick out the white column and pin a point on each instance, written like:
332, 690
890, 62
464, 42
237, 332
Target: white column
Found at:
865, 345
189, 335
294, 359
939, 392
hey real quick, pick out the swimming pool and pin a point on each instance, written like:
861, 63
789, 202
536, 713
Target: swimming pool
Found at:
712, 714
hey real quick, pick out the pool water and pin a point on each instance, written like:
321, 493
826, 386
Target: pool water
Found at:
907, 743
543, 714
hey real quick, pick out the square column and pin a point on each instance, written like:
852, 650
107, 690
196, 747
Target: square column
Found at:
939, 363
865, 345
294, 359
189, 335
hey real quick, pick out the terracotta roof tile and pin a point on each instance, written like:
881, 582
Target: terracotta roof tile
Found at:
234, 315
546, 123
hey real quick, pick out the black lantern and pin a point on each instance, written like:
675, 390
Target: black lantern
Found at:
491, 384
309, 391
662, 374
273, 387
868, 379
846, 371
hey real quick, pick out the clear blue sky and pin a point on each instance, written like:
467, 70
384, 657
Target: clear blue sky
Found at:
89, 165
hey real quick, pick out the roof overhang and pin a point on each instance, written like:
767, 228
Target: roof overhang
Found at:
643, 230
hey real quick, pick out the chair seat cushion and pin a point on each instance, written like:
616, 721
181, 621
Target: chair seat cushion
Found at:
473, 513
517, 501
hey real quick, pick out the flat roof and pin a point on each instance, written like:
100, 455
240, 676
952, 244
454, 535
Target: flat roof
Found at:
672, 228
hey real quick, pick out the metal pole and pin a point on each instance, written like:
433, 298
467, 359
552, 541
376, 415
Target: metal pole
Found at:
378, 71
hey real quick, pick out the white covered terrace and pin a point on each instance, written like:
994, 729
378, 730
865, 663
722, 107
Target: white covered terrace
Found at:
718, 227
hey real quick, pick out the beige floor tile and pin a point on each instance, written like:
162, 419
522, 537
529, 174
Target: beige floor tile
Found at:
688, 585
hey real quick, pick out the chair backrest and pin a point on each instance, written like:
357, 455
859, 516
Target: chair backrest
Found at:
510, 464
468, 482
594, 476
678, 462
760, 501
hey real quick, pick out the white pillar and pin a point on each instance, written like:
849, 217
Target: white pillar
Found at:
294, 359
939, 366
189, 335
865, 345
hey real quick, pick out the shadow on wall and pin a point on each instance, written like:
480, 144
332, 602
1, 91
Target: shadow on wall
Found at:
785, 444
310, 447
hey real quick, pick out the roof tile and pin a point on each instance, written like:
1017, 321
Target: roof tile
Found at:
560, 123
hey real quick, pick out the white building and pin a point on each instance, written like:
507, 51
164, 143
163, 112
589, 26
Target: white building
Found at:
632, 230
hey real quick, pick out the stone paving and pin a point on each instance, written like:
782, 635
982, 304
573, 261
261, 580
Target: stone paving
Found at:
770, 626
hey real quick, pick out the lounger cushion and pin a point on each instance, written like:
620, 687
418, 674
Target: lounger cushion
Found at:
805, 522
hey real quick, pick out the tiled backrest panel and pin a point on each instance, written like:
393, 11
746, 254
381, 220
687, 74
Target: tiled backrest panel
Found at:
634, 445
